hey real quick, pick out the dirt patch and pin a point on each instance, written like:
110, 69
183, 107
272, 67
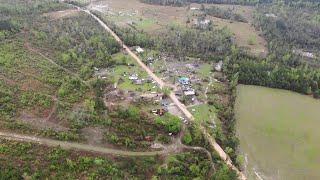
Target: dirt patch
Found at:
93, 135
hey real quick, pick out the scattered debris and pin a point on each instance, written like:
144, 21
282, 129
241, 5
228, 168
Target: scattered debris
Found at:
133, 77
148, 138
271, 15
202, 22
304, 53
139, 50
194, 8
218, 66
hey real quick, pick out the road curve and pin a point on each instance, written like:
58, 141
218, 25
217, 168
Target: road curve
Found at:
172, 96
77, 146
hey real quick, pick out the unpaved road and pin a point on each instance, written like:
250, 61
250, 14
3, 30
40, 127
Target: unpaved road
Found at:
172, 96
77, 146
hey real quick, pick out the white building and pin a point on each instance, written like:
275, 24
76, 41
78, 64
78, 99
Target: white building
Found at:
190, 93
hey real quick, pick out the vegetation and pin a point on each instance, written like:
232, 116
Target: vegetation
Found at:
130, 127
171, 123
30, 161
302, 79
184, 2
185, 166
292, 27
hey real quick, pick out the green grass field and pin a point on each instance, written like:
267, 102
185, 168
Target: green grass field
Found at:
205, 70
279, 132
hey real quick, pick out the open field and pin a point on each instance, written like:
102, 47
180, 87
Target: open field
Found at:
245, 35
245, 11
149, 18
279, 134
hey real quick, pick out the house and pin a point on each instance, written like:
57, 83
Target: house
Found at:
218, 66
139, 50
184, 80
190, 92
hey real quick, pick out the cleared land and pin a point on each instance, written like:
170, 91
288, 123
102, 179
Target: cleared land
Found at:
279, 134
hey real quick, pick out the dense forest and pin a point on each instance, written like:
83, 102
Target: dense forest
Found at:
296, 26
251, 71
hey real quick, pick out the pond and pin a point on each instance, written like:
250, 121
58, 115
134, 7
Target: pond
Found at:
279, 133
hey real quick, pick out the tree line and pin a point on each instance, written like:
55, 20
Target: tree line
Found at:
223, 14
253, 71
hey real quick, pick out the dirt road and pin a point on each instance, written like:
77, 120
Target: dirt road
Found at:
77, 146
172, 96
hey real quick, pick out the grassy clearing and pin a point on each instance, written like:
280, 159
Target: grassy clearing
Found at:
125, 67
278, 130
203, 113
